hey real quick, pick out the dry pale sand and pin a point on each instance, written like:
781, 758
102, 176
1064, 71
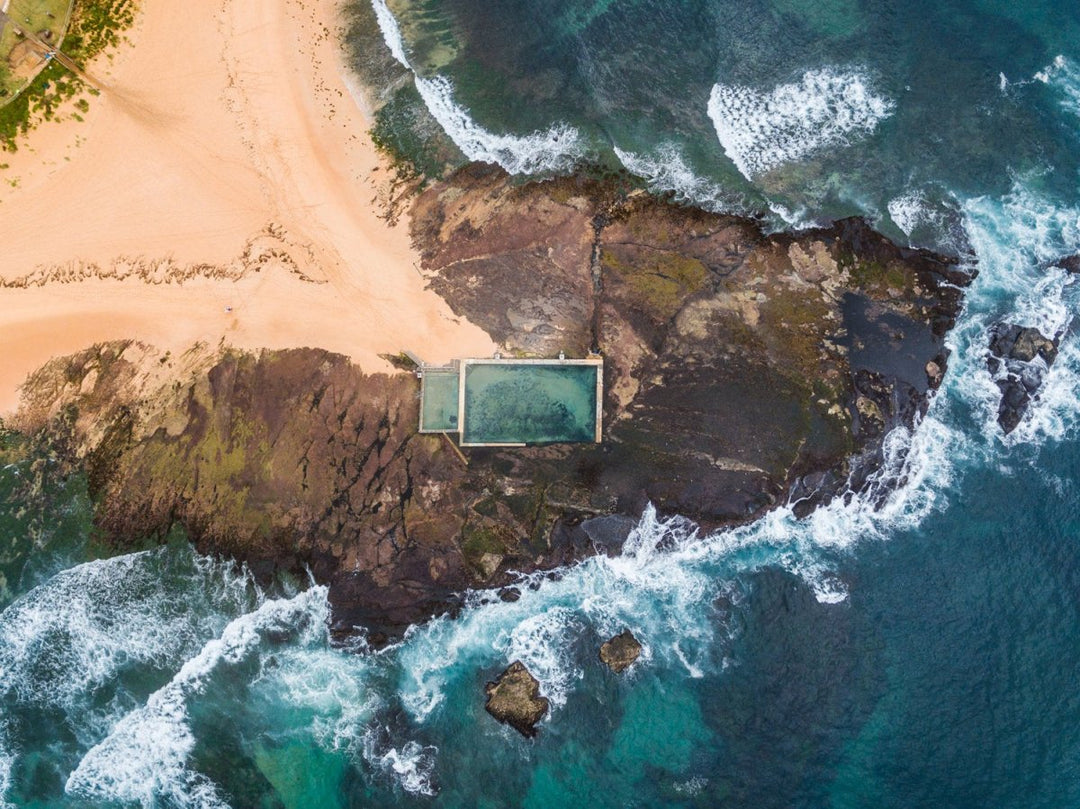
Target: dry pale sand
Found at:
227, 153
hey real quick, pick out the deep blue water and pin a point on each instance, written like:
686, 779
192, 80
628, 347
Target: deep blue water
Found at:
924, 653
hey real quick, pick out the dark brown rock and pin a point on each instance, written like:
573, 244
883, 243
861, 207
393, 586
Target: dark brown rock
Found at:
736, 361
621, 651
1069, 263
1013, 350
514, 699
742, 370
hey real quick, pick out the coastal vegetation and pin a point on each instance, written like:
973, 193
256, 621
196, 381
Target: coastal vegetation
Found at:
95, 26
19, 60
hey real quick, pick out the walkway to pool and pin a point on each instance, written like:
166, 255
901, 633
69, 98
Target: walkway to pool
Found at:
511, 402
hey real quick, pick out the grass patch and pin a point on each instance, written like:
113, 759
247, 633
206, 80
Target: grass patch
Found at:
45, 18
95, 26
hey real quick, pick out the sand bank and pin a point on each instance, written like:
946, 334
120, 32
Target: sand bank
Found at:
226, 163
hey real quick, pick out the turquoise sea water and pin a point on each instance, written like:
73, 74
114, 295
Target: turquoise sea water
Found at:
922, 653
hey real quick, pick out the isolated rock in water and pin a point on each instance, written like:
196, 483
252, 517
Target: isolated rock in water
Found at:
1069, 263
514, 698
1014, 351
621, 651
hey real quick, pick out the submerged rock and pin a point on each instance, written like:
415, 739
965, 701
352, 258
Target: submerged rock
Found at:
621, 651
1019, 358
514, 699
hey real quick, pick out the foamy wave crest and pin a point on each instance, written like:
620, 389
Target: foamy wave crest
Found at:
1064, 75
1018, 238
413, 766
144, 758
930, 218
909, 211
7, 761
540, 643
554, 149
763, 130
798, 219
66, 638
391, 31
324, 687
557, 148
667, 170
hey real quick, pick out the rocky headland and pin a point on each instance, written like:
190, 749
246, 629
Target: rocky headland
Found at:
743, 370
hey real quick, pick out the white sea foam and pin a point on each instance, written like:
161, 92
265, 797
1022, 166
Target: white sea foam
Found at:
63, 640
1064, 75
1017, 239
144, 758
909, 211
797, 219
391, 31
540, 642
325, 688
7, 762
761, 130
412, 766
930, 218
556, 148
667, 170
1052, 70
691, 786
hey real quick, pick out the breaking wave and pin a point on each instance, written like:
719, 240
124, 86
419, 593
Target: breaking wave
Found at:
412, 766
144, 757
554, 149
73, 635
1019, 238
667, 171
761, 130
557, 148
1063, 75
391, 31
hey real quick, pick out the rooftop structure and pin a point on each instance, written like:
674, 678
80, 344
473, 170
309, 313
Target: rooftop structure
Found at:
511, 402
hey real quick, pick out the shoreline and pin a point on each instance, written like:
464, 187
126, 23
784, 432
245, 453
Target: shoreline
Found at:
188, 173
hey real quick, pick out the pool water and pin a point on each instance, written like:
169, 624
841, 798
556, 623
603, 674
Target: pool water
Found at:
509, 403
439, 402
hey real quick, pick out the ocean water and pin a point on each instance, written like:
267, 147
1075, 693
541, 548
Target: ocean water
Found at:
923, 651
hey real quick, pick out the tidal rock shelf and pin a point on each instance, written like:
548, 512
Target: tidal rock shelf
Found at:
742, 370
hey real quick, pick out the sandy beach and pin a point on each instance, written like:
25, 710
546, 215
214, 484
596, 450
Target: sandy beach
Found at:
222, 188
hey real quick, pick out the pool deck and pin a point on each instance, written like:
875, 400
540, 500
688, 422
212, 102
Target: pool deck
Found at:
461, 367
